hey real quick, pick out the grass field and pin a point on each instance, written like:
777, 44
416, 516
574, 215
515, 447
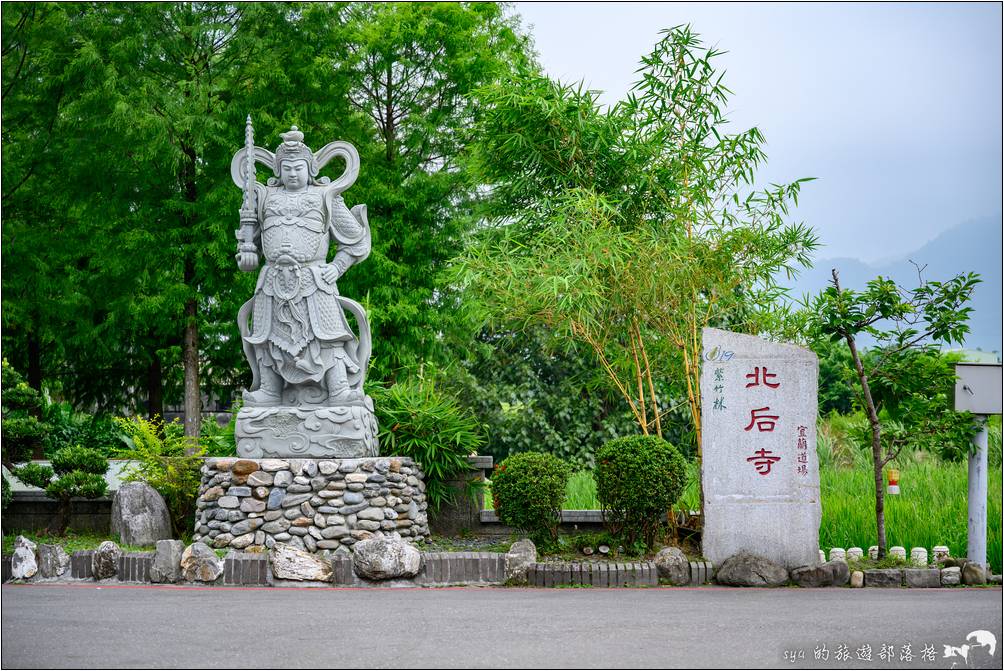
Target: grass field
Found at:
930, 510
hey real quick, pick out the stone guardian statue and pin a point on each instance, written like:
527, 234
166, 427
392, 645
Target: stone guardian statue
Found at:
308, 366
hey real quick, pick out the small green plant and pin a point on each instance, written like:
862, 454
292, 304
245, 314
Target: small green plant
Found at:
79, 471
159, 451
418, 420
527, 491
218, 441
638, 480
67, 427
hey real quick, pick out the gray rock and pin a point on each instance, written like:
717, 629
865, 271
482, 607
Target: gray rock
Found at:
283, 537
841, 572
272, 465
166, 565
223, 540
241, 542
310, 543
368, 525
352, 498
52, 561
297, 488
335, 532
884, 577
283, 479
951, 576
244, 527
385, 559
291, 563
294, 499
318, 483
673, 566
350, 510
228, 502
327, 467
858, 579
252, 506
260, 479
922, 577
819, 575
140, 515
276, 526
995, 579
309, 468
239, 490
374, 514
973, 574
746, 569
23, 563
105, 560
200, 564
521, 554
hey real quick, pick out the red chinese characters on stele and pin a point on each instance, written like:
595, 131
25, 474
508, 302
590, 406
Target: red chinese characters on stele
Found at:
761, 418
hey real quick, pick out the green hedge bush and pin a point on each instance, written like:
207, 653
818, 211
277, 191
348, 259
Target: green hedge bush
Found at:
527, 490
638, 480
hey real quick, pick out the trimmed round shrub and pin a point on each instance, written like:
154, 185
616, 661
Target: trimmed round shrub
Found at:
638, 480
77, 458
528, 489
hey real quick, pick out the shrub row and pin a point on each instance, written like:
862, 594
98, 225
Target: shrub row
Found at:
638, 480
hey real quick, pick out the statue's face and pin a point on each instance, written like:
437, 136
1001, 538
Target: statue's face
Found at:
295, 175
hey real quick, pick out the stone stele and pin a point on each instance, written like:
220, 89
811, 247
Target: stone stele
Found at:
759, 467
308, 362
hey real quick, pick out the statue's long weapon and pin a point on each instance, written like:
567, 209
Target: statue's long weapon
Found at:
249, 217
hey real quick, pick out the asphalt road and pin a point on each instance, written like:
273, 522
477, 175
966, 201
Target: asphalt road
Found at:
89, 626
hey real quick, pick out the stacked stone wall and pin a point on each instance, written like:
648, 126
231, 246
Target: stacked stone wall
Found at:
312, 504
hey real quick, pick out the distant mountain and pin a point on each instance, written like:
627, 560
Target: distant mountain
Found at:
974, 246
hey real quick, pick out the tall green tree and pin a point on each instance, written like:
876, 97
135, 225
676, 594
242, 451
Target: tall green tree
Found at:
415, 69
119, 121
896, 382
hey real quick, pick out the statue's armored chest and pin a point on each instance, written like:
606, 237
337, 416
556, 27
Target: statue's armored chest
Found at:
302, 208
294, 225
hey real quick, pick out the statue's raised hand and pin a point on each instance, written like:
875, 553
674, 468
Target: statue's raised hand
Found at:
247, 261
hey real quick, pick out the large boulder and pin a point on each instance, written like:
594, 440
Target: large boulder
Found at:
673, 566
746, 569
24, 566
52, 561
385, 558
166, 565
140, 515
521, 554
105, 560
200, 564
291, 563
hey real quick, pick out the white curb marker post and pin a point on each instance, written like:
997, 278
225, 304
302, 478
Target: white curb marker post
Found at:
978, 389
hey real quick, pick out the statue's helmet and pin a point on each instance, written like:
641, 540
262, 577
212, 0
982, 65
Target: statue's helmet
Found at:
292, 149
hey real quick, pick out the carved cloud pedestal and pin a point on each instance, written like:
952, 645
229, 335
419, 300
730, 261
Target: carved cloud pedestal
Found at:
346, 431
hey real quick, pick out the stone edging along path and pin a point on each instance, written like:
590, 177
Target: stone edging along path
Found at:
440, 569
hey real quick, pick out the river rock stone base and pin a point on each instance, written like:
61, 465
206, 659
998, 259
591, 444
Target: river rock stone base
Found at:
314, 505
348, 431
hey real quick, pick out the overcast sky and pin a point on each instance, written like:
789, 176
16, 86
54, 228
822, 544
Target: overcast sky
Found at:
895, 108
